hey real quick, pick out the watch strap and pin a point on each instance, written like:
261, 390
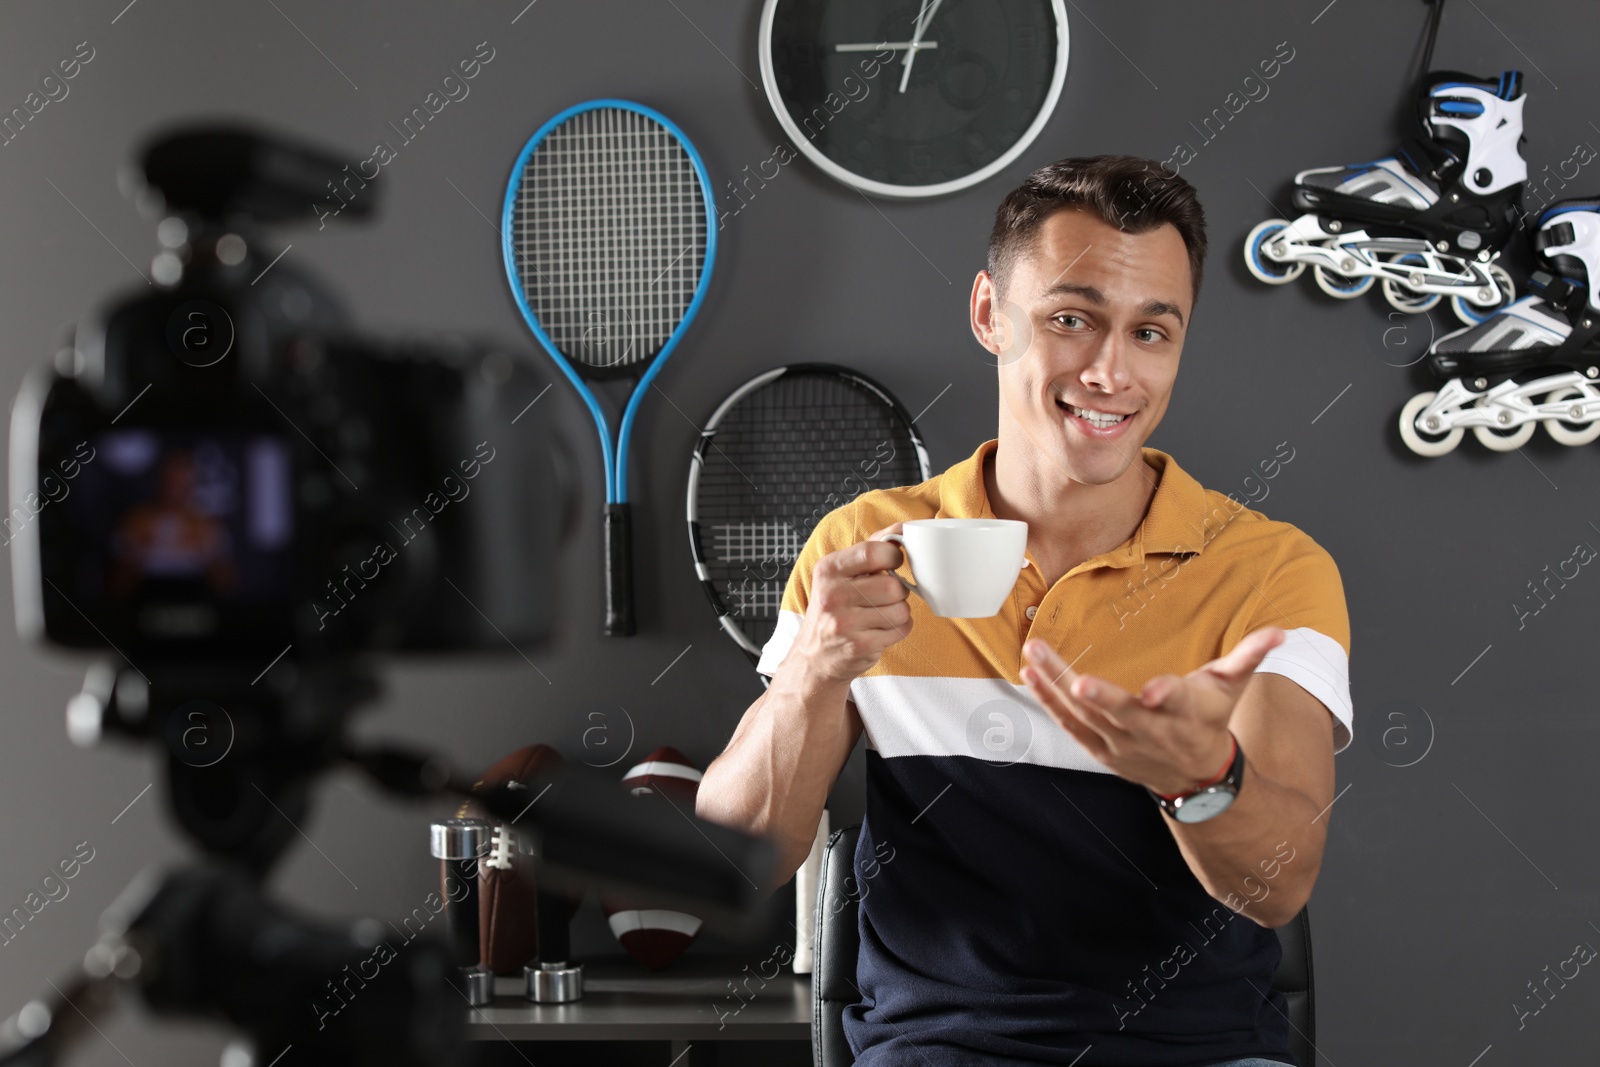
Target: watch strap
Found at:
1232, 778
1227, 767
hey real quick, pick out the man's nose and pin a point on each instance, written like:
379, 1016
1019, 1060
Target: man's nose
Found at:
1109, 368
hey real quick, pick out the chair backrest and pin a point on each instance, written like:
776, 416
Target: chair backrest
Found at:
837, 943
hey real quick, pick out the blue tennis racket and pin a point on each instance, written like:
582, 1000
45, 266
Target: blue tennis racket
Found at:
608, 246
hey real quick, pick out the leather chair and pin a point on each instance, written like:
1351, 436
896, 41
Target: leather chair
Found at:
838, 942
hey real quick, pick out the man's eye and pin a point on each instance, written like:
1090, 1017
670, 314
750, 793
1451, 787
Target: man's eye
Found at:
1149, 336
1071, 322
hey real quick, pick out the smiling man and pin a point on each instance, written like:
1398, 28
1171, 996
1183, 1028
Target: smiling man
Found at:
1094, 813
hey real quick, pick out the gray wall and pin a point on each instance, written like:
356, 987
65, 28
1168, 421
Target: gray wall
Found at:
1447, 885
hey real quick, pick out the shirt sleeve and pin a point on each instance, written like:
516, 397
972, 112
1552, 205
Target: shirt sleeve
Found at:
833, 532
1304, 595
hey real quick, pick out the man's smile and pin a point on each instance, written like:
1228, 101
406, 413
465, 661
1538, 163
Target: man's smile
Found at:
1096, 422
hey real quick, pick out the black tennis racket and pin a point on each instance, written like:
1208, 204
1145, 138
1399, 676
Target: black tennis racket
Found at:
608, 247
782, 451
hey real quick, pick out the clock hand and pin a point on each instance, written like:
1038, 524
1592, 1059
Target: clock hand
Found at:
924, 16
929, 9
893, 46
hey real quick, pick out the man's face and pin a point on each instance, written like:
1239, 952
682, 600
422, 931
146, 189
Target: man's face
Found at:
1090, 327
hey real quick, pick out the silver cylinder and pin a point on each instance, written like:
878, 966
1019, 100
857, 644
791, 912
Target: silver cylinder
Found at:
553, 983
459, 839
478, 985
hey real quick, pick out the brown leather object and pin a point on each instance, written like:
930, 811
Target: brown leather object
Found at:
508, 932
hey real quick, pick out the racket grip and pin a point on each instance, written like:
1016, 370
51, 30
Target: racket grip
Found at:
619, 570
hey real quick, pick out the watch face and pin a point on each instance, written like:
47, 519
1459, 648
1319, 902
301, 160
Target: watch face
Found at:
1205, 804
913, 97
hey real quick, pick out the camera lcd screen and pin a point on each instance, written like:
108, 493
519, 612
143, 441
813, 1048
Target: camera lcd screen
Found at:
184, 528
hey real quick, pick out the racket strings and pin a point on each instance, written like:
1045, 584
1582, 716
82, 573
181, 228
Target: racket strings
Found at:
609, 234
781, 459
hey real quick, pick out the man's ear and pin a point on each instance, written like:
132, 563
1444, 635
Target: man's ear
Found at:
984, 306
1000, 326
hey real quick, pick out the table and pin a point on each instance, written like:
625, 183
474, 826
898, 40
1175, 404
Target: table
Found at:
690, 1008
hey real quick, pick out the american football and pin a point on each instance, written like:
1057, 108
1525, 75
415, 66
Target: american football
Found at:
656, 936
508, 931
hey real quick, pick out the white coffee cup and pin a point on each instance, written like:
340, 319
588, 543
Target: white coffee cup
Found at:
964, 568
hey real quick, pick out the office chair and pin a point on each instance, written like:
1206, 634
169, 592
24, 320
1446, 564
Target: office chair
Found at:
838, 941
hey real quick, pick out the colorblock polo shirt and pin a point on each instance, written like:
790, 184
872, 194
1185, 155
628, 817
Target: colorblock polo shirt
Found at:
1020, 903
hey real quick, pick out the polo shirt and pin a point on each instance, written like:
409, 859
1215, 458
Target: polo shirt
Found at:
1020, 903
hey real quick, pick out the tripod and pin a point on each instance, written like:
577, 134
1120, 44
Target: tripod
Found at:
203, 940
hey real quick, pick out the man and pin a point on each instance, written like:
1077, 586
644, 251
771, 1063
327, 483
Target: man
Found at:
1033, 898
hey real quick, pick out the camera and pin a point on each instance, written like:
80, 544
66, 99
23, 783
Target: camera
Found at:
241, 503
217, 465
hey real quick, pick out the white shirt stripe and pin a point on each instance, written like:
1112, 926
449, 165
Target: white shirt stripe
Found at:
992, 719
1318, 664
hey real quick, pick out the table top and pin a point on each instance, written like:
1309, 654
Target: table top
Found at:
696, 998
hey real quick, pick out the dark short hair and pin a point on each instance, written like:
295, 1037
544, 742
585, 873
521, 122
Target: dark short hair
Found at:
1133, 194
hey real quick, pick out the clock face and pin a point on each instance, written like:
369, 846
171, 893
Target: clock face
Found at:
913, 98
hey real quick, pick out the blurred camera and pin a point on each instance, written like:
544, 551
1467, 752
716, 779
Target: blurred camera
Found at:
217, 465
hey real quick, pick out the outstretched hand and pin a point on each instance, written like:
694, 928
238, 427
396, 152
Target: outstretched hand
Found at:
1169, 737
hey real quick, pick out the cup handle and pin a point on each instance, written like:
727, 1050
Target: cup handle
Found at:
900, 540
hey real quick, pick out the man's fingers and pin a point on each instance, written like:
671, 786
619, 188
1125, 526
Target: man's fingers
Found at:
878, 617
1056, 685
877, 590
1055, 701
1049, 663
1116, 707
1170, 694
1159, 690
866, 557
1231, 670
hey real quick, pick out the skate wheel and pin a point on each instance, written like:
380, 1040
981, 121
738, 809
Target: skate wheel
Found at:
1265, 269
1496, 440
1421, 441
1402, 299
1472, 314
1341, 286
1570, 433
1409, 302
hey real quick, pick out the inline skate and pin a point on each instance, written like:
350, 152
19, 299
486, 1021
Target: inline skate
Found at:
1427, 222
1536, 361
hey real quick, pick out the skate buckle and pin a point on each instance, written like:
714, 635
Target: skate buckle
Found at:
1559, 292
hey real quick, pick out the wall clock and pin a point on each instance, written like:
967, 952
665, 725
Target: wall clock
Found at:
913, 98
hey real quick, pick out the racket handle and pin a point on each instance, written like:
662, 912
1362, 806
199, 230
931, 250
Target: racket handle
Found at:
619, 571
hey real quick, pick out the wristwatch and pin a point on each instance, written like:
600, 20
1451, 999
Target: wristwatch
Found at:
1208, 800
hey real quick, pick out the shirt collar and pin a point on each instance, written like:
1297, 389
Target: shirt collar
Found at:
1180, 518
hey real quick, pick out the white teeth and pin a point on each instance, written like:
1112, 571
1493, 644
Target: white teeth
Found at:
1097, 419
